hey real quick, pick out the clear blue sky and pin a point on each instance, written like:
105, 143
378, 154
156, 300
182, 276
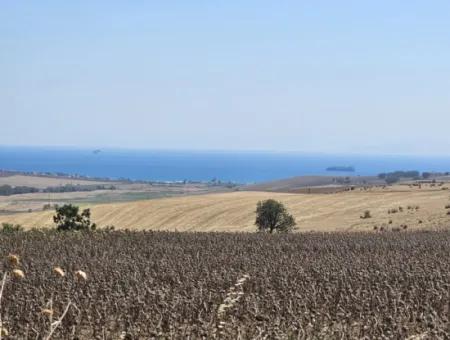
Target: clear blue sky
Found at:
329, 76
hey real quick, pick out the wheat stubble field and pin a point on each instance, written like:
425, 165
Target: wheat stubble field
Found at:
235, 211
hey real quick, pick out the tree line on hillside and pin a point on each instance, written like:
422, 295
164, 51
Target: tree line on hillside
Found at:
78, 187
395, 176
8, 190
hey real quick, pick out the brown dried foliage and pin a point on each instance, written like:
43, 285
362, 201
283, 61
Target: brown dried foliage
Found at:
144, 285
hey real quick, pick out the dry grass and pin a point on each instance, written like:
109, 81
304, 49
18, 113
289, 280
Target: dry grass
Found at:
236, 211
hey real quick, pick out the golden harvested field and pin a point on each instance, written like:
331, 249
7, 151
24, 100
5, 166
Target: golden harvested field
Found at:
235, 211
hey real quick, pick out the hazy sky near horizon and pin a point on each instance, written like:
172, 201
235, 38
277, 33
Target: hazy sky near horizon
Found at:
327, 76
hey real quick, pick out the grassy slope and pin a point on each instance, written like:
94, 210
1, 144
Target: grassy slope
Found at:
295, 183
235, 211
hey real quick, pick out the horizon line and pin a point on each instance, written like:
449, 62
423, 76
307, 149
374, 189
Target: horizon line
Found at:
223, 150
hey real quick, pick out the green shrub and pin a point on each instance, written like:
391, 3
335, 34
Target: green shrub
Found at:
10, 228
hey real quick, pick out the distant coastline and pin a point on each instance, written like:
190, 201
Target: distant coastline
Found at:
60, 175
202, 167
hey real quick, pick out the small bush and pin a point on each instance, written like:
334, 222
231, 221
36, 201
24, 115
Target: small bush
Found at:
366, 214
49, 206
10, 228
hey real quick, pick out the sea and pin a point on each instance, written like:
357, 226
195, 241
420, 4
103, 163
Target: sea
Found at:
226, 166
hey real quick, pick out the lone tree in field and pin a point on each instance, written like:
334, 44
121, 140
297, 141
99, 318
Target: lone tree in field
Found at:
272, 216
67, 218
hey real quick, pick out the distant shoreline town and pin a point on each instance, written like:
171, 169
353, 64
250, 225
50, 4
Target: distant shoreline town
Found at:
63, 175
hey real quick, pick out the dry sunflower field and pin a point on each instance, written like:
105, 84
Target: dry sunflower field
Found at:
166, 285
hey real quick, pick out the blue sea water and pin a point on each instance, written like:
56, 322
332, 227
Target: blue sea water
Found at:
241, 167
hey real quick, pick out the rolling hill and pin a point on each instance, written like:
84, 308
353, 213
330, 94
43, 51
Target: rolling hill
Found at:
236, 211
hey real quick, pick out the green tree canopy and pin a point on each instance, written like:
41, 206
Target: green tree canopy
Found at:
68, 218
272, 215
